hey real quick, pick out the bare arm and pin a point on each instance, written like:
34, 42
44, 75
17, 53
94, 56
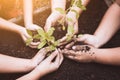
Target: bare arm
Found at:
28, 15
109, 25
28, 12
46, 66
108, 56
58, 3
11, 64
4, 24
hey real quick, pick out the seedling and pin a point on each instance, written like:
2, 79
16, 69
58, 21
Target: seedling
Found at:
70, 29
47, 38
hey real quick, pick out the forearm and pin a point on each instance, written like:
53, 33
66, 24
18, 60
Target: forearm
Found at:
28, 12
33, 75
4, 24
109, 25
107, 56
12, 65
58, 4
79, 10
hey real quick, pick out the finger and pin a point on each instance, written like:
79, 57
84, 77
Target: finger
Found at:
77, 47
63, 39
68, 52
61, 58
52, 56
76, 28
68, 46
41, 55
83, 38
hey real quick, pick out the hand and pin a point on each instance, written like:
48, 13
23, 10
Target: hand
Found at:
80, 53
45, 66
25, 36
52, 20
33, 27
90, 39
73, 22
41, 54
48, 65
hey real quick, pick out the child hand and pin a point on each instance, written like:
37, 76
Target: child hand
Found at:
48, 65
25, 36
73, 22
90, 39
80, 53
52, 20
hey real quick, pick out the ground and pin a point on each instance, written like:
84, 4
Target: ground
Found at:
69, 70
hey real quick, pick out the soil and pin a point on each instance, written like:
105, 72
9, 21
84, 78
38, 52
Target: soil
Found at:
69, 70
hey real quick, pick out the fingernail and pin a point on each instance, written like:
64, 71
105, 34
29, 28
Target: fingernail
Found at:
74, 47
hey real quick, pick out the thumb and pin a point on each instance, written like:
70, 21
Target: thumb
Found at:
83, 38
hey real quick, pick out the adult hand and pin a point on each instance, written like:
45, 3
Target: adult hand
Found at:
52, 19
80, 53
90, 39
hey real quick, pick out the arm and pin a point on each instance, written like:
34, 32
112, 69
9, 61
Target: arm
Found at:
11, 64
20, 64
107, 28
4, 24
28, 15
109, 25
58, 3
108, 56
28, 12
55, 15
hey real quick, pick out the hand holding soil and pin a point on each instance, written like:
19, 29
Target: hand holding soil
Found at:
80, 53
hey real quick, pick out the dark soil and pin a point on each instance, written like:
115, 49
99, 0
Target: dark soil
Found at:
12, 44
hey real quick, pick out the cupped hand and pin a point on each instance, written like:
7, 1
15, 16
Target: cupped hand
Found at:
26, 36
90, 39
71, 20
51, 63
80, 53
52, 20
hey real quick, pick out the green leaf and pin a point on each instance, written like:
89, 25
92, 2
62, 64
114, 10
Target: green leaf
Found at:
70, 30
28, 41
42, 44
29, 32
60, 10
52, 47
63, 27
69, 19
37, 36
80, 35
51, 31
72, 2
41, 32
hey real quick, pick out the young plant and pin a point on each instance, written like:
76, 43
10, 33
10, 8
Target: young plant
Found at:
70, 29
45, 38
